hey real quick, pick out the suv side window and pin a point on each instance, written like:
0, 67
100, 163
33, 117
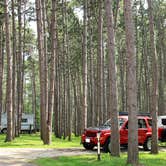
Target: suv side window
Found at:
141, 123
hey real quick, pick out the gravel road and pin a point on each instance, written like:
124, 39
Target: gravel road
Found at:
23, 156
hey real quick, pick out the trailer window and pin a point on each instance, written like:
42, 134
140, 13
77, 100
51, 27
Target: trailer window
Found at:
24, 120
163, 121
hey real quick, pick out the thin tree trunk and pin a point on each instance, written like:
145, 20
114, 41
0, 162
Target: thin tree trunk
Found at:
80, 97
57, 98
154, 90
9, 135
131, 85
19, 69
161, 103
64, 55
92, 86
122, 80
43, 95
1, 70
45, 59
116, 13
52, 72
73, 79
100, 67
84, 121
34, 110
14, 69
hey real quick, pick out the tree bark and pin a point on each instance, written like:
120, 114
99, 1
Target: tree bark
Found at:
43, 95
1, 70
9, 76
45, 59
154, 90
84, 121
100, 67
19, 69
14, 69
115, 144
52, 72
161, 52
34, 110
131, 85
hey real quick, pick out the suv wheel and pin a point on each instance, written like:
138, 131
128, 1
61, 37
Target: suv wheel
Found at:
107, 146
4, 131
88, 146
147, 144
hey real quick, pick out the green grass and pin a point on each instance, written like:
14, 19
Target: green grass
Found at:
146, 159
162, 143
33, 141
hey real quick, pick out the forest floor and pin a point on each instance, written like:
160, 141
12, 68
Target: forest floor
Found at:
24, 156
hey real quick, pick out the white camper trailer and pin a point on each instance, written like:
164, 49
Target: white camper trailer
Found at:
161, 121
27, 122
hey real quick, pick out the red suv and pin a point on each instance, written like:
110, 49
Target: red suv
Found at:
89, 138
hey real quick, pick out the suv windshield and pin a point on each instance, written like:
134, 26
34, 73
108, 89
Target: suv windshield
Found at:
108, 122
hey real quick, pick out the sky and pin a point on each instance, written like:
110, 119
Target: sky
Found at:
33, 24
77, 11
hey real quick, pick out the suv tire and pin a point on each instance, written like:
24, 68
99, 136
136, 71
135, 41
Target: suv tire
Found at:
88, 146
107, 146
147, 144
4, 130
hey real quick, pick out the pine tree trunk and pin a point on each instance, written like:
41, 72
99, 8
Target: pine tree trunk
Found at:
154, 88
84, 121
100, 67
91, 67
45, 59
34, 110
14, 69
19, 69
122, 71
161, 103
73, 79
115, 144
43, 95
131, 85
64, 79
1, 70
80, 97
9, 135
116, 13
57, 113
52, 72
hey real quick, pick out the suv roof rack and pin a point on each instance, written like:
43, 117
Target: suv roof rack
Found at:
139, 113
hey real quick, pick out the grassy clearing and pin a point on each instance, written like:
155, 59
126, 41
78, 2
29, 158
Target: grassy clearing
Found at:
89, 160
33, 141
